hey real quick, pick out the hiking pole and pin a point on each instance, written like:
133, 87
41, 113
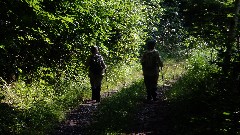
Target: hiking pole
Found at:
162, 77
106, 77
162, 74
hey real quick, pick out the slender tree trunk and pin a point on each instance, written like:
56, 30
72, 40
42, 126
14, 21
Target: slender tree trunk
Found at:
238, 43
231, 37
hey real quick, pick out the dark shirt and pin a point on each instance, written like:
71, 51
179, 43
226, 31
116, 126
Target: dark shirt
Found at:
151, 61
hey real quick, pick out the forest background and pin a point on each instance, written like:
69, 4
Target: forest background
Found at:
44, 45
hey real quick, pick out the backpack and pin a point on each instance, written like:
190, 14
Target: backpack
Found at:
95, 65
150, 61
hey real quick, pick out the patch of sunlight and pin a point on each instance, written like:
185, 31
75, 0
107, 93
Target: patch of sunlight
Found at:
226, 113
228, 120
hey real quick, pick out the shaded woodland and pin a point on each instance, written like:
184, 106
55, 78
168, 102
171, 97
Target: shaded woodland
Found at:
44, 45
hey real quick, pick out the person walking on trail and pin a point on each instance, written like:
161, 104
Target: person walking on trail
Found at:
96, 67
151, 62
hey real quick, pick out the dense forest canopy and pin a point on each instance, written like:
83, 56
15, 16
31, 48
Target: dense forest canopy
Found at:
215, 22
44, 45
52, 34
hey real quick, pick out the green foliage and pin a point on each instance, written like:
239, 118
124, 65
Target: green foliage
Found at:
201, 101
172, 71
44, 45
43, 103
121, 75
216, 22
171, 32
51, 34
199, 69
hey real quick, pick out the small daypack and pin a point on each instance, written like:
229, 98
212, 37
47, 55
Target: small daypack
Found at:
150, 60
95, 64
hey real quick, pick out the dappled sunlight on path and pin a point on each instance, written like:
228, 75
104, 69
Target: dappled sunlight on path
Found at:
151, 117
78, 119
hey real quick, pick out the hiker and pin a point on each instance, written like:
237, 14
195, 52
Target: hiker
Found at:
97, 68
151, 62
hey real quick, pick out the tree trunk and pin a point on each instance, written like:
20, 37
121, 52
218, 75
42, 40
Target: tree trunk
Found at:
231, 38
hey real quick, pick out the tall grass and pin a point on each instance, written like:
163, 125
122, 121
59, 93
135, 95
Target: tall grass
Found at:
41, 103
199, 101
198, 76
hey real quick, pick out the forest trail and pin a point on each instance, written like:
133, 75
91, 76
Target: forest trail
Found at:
151, 119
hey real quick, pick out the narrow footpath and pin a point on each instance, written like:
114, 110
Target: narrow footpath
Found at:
151, 119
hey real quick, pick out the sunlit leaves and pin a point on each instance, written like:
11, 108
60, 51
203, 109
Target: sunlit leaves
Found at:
45, 44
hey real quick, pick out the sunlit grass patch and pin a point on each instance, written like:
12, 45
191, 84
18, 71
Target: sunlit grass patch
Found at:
42, 104
171, 71
199, 103
121, 75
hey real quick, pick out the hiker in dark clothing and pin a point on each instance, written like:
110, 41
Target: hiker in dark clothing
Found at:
151, 62
97, 67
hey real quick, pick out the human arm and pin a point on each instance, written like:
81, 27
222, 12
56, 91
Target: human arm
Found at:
159, 60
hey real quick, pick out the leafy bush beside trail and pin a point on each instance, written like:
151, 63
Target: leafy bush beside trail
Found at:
202, 102
35, 108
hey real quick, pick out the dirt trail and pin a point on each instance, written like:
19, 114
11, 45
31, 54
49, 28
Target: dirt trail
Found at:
152, 118
78, 119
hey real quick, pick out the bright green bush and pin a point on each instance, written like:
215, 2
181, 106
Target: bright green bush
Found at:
198, 77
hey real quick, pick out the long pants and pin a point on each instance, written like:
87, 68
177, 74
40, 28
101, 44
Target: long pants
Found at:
151, 86
96, 81
96, 94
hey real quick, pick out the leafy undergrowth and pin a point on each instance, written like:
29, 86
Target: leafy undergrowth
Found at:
203, 109
200, 102
35, 108
204, 102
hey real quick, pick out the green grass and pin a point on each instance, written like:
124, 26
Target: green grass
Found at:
36, 107
115, 114
43, 103
201, 103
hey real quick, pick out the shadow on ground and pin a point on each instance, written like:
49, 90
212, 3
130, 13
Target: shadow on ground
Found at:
126, 112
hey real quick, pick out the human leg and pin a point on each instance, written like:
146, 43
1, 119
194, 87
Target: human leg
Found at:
147, 81
97, 84
98, 95
93, 87
154, 82
94, 91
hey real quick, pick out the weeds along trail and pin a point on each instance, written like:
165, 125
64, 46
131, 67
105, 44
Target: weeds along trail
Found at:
123, 111
79, 118
146, 118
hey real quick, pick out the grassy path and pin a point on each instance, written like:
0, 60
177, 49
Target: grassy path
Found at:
143, 118
124, 112
187, 108
152, 118
79, 118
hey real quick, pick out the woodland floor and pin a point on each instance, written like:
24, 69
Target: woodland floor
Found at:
196, 115
152, 118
